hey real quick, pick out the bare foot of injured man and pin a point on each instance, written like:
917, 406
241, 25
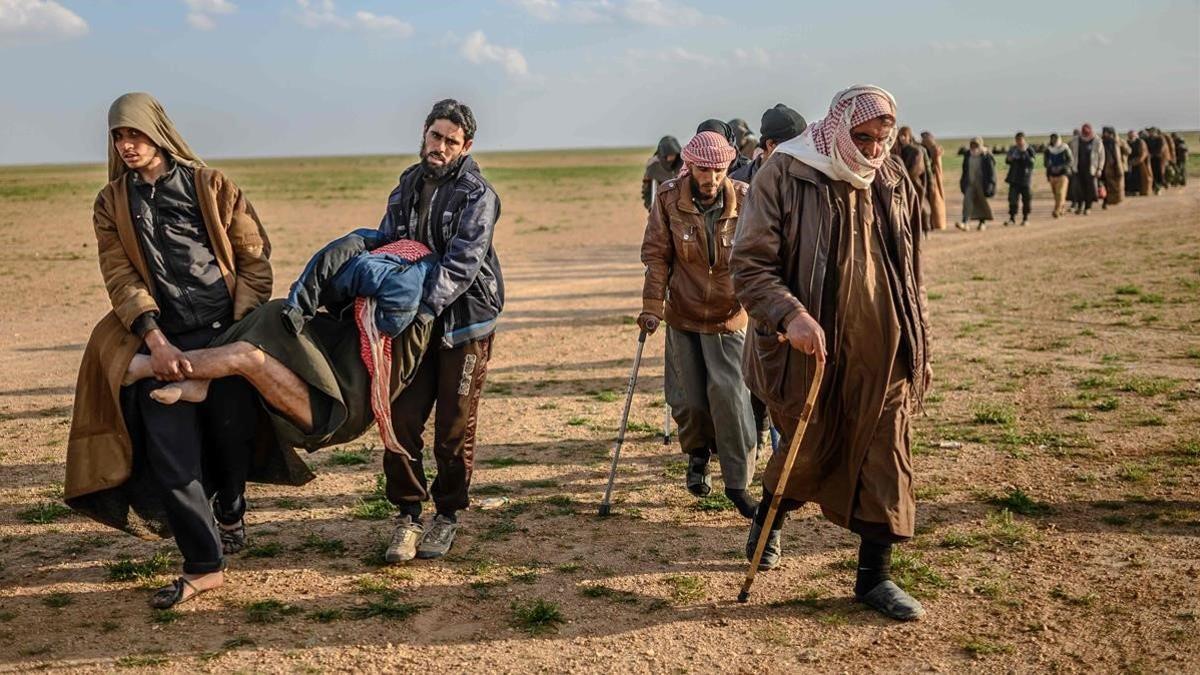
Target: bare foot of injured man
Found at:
192, 391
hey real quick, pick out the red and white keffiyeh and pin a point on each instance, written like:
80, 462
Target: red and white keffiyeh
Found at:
827, 145
375, 348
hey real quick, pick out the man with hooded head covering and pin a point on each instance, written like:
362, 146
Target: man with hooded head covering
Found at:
937, 191
827, 263
183, 256
1116, 158
686, 250
1088, 151
660, 168
978, 182
1139, 180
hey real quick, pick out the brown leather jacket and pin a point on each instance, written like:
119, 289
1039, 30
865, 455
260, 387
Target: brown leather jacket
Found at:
780, 260
681, 287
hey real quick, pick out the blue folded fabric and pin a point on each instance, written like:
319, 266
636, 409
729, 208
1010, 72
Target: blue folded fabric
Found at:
396, 284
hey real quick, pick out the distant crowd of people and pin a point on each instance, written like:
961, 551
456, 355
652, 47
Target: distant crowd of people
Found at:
1081, 172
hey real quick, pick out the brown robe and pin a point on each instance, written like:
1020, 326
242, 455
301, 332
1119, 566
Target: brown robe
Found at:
854, 460
937, 191
104, 480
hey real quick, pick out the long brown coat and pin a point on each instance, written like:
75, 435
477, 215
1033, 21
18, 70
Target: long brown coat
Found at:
100, 478
937, 191
786, 260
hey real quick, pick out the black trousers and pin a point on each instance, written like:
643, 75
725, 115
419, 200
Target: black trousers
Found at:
1022, 193
453, 379
196, 452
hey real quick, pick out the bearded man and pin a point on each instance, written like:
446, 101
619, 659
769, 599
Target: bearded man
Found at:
445, 203
827, 263
686, 250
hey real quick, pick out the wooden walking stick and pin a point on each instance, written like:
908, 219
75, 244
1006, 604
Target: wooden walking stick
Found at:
777, 495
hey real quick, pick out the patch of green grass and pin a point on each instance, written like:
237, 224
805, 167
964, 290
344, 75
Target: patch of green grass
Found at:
58, 600
979, 646
714, 503
1116, 520
675, 469
133, 570
349, 457
567, 568
1188, 449
373, 509
1133, 473
387, 606
914, 575
1148, 386
269, 611
331, 547
1107, 404
1017, 501
639, 427
1127, 289
993, 414
577, 422
503, 462
1150, 420
537, 616
606, 396
44, 513
539, 483
1151, 299
960, 540
1003, 530
493, 489
141, 661
268, 549
685, 587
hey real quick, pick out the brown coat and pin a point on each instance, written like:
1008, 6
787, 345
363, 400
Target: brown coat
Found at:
681, 287
100, 478
791, 255
780, 265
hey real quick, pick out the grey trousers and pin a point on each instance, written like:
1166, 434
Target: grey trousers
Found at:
709, 400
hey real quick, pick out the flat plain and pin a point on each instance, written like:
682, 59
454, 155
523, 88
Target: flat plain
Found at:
1058, 463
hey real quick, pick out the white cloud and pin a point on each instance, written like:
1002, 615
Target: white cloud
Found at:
477, 49
324, 14
22, 20
756, 56
201, 15
1099, 39
661, 13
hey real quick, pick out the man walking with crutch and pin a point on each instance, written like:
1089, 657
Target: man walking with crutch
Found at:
827, 263
686, 250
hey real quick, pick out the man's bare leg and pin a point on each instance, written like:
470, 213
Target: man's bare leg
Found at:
282, 389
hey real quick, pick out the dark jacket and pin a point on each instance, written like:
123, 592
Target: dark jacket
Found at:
989, 175
658, 171
785, 247
173, 238
465, 287
687, 272
1020, 166
746, 173
1061, 163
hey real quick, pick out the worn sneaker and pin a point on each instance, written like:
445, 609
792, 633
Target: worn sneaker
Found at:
405, 538
771, 554
438, 540
233, 537
891, 601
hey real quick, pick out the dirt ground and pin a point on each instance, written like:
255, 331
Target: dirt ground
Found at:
1058, 464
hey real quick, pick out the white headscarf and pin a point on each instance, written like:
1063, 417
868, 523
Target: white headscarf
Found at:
827, 145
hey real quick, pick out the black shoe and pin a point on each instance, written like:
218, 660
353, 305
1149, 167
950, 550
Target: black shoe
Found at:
771, 553
891, 601
698, 481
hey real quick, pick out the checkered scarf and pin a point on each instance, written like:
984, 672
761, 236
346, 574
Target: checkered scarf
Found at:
375, 348
827, 145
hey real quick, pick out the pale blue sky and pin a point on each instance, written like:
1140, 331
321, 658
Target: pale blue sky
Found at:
295, 77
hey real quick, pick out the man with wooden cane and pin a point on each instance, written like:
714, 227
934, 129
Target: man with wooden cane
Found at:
827, 264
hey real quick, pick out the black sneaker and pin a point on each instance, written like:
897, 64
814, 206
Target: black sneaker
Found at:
438, 538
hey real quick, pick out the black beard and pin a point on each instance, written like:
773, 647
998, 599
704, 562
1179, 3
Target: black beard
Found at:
435, 172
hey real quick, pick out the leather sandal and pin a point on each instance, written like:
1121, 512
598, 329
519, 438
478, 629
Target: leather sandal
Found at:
169, 596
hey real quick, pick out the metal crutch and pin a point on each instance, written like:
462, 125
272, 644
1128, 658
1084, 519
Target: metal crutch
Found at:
606, 505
